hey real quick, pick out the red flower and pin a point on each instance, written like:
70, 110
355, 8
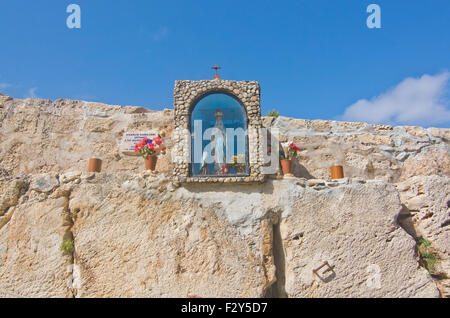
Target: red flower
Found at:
157, 141
294, 147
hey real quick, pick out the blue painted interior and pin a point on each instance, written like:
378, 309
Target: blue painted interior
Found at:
234, 116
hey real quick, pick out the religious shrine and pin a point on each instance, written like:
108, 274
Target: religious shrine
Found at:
218, 131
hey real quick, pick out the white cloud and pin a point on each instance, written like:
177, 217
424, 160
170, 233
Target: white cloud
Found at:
161, 33
32, 93
4, 85
415, 101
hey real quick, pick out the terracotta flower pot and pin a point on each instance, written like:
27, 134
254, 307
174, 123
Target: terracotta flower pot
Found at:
337, 172
150, 162
95, 165
286, 166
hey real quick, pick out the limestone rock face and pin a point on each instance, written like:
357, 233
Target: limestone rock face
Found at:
64, 134
134, 240
365, 151
32, 264
428, 163
354, 230
145, 236
11, 192
427, 215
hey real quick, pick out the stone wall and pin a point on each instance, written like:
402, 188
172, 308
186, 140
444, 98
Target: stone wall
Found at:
145, 236
426, 214
366, 151
38, 136
43, 136
140, 235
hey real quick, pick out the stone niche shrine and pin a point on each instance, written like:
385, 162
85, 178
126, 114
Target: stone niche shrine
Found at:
218, 128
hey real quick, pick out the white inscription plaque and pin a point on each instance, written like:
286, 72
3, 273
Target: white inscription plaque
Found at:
130, 139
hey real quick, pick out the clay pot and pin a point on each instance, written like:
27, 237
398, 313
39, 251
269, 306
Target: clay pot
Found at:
337, 172
95, 165
150, 163
286, 166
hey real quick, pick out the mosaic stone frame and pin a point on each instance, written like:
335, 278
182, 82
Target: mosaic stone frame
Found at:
186, 96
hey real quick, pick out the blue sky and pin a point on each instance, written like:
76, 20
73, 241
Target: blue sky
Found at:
314, 59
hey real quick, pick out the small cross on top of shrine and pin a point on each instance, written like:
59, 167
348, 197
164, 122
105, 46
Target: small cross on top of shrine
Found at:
216, 68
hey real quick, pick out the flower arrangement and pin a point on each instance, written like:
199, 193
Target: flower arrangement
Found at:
291, 153
150, 147
286, 158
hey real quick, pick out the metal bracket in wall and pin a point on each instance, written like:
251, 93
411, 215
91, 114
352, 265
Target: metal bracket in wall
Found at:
329, 269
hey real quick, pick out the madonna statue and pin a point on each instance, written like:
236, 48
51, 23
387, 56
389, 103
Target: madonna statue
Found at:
218, 142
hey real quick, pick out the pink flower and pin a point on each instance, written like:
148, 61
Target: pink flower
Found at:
139, 146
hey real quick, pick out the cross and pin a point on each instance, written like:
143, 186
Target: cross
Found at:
215, 67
